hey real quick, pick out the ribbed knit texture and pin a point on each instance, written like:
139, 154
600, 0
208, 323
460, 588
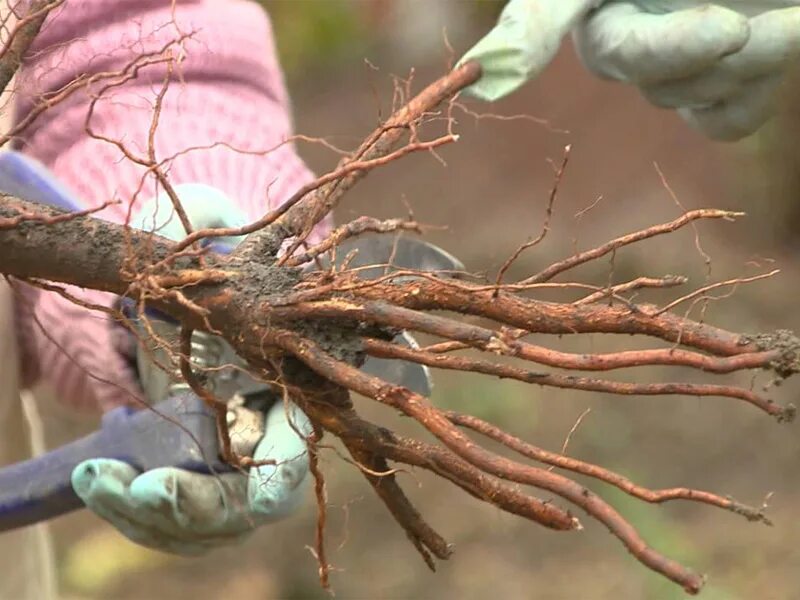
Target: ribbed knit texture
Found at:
227, 92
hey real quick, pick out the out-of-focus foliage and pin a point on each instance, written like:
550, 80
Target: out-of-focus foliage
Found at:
102, 558
317, 33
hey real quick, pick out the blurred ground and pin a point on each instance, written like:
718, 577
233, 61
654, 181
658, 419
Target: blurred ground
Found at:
491, 196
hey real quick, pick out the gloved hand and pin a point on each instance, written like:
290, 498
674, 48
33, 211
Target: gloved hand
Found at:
718, 64
188, 513
526, 38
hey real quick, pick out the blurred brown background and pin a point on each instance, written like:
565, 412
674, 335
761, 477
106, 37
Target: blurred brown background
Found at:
491, 196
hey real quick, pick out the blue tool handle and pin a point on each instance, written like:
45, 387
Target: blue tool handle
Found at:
179, 432
26, 177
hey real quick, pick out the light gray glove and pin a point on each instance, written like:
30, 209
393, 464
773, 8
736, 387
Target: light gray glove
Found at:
187, 513
718, 64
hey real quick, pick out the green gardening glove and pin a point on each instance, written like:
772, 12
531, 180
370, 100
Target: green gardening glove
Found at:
719, 64
187, 513
526, 38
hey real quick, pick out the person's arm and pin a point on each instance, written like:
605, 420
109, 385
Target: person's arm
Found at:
226, 92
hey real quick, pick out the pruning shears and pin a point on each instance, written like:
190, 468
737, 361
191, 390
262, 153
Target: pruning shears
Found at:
177, 429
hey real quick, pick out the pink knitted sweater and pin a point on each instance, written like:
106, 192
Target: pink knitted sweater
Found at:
227, 92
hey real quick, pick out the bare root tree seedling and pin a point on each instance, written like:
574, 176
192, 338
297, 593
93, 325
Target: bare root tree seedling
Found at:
308, 330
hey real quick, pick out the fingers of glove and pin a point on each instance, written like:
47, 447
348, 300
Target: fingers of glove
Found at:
773, 45
166, 509
193, 507
276, 490
695, 92
524, 41
104, 486
739, 116
621, 41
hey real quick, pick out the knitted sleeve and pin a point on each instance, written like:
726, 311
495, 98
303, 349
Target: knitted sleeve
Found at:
225, 106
